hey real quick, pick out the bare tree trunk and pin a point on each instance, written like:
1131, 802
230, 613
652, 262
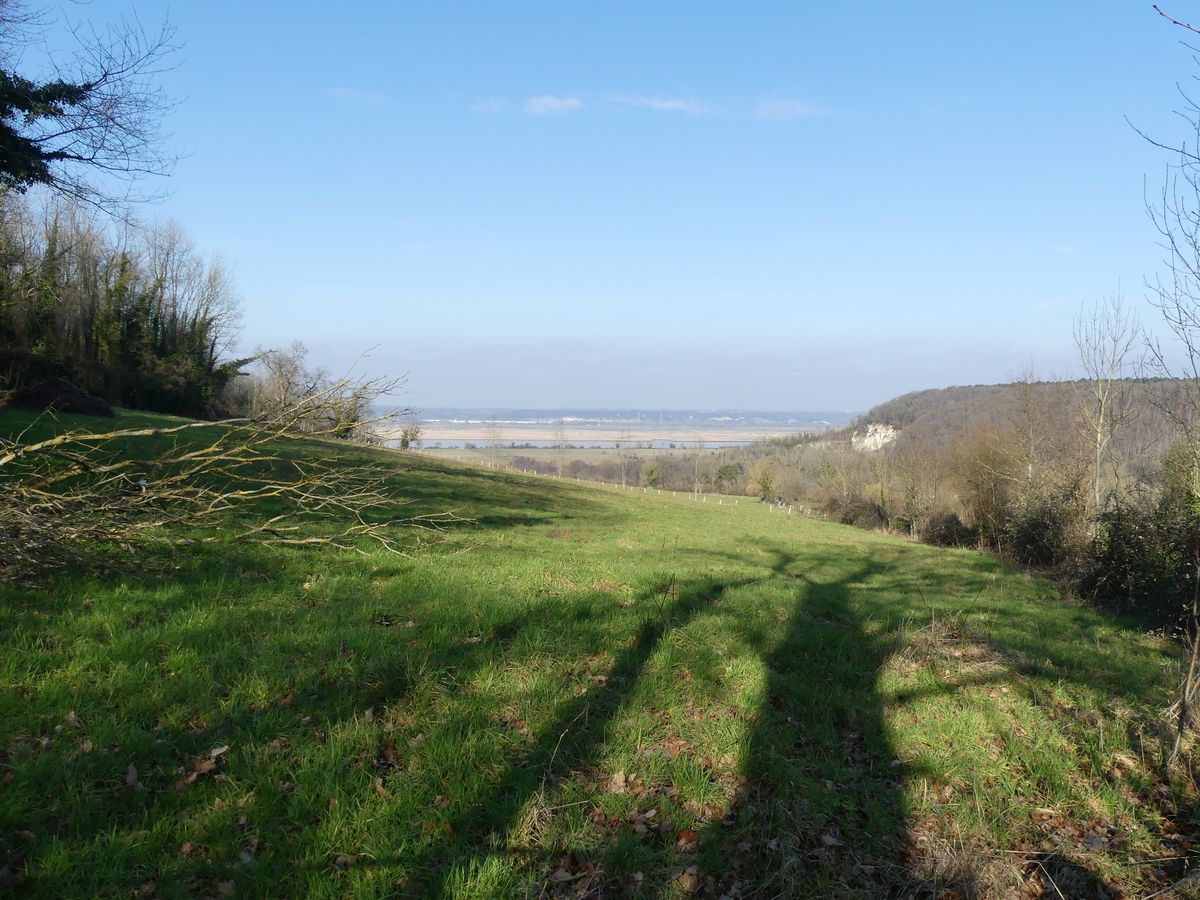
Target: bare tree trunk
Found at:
560, 446
1188, 689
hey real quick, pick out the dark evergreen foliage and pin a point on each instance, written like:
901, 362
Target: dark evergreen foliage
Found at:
25, 160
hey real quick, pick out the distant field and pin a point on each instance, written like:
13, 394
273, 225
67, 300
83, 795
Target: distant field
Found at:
505, 455
436, 431
582, 691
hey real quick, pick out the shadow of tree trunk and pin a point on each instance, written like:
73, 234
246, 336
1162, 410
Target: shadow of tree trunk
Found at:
572, 742
822, 810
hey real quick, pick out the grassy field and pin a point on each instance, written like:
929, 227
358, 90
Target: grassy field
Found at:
582, 692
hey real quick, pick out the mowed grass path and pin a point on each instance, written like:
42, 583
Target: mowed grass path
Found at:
583, 692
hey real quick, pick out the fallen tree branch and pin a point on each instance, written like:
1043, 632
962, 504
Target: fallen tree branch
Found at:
276, 479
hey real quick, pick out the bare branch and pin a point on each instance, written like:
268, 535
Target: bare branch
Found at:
1173, 21
67, 499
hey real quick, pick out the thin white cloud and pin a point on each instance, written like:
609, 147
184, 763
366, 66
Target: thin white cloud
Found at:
782, 110
491, 106
550, 106
687, 106
355, 95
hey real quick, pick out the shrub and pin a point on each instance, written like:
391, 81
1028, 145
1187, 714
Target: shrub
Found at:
1043, 531
1142, 560
863, 513
947, 530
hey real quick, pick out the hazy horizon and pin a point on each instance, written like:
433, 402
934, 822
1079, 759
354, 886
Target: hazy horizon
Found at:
579, 376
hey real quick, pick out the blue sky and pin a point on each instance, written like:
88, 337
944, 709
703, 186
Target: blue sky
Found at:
770, 205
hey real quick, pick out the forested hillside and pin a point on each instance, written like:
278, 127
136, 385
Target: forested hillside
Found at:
1147, 426
134, 315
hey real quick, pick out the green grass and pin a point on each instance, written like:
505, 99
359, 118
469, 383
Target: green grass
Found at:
583, 690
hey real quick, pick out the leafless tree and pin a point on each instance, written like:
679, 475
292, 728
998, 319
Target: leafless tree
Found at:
190, 289
560, 446
624, 448
839, 472
281, 381
1106, 338
1175, 213
495, 434
698, 460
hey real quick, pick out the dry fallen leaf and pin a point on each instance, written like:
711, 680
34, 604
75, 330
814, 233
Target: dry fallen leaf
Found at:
617, 783
687, 840
689, 880
390, 756
200, 768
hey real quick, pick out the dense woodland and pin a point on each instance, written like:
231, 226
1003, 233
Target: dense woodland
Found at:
137, 316
134, 315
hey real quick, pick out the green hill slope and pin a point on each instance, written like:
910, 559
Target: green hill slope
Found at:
582, 692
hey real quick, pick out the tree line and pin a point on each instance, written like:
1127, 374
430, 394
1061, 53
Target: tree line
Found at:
134, 315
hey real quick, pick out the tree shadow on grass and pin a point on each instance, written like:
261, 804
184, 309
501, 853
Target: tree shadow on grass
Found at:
573, 741
485, 497
577, 733
821, 811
